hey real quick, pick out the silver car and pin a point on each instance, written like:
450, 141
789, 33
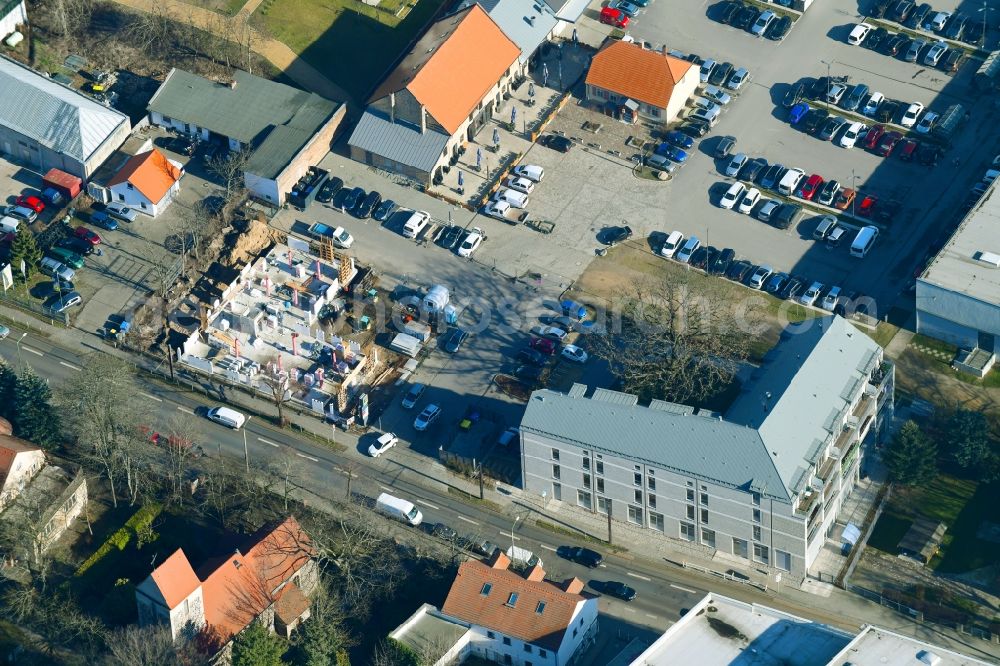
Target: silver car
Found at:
121, 211
736, 163
763, 22
738, 78
717, 95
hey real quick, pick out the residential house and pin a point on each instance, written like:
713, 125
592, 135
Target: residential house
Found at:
20, 461
12, 14
505, 617
285, 130
635, 82
147, 182
45, 125
268, 578
764, 484
443, 92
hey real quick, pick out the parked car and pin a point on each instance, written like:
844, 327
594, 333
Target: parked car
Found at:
953, 60
852, 100
779, 29
815, 120
749, 200
585, 556
385, 442
628, 8
844, 199
413, 396
724, 147
913, 52
614, 17
368, 204
809, 188
59, 303
786, 215
937, 21
721, 261
427, 417
560, 144
690, 245
767, 210
22, 213
549, 332
763, 22
385, 210
738, 270
888, 143
798, 112
851, 134
86, 234
121, 211
872, 103
455, 340
927, 123
738, 161
708, 116
752, 170
706, 70
738, 78
574, 354
721, 74
103, 220
717, 96
830, 300
793, 287
775, 283
795, 94
471, 242
811, 294
733, 195
544, 345
858, 34
532, 172
934, 53
902, 10
328, 190
956, 26
520, 184
831, 127
694, 128
619, 590
616, 235
30, 201
760, 274
873, 136
745, 18
772, 176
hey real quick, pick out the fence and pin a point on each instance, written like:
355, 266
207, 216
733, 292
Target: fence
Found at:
26, 304
888, 603
843, 579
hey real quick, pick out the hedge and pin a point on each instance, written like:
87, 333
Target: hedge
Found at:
141, 520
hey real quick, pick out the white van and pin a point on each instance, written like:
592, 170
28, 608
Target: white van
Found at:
227, 417
416, 223
53, 268
864, 241
670, 245
513, 197
8, 225
523, 556
790, 181
530, 171
398, 508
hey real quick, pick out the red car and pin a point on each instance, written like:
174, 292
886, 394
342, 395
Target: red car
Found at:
810, 187
615, 17
867, 205
86, 234
544, 345
908, 149
32, 202
888, 142
874, 136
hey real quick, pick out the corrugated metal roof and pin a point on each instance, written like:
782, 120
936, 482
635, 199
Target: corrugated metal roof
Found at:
398, 141
710, 449
284, 142
671, 407
616, 397
59, 118
797, 397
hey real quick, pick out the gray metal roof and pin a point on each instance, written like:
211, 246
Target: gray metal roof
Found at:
59, 118
246, 110
284, 142
398, 141
528, 23
797, 396
568, 10
710, 449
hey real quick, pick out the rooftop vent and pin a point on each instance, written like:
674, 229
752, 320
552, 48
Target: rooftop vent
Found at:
991, 258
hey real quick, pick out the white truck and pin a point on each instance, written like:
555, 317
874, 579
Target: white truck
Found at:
523, 556
398, 508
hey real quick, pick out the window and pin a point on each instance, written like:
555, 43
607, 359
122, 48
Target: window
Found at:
755, 497
704, 499
555, 454
637, 478
687, 531
756, 532
506, 640
638, 497
586, 463
690, 484
600, 467
635, 515
490, 634
704, 515
651, 472
651, 500
704, 487
651, 483
690, 511
656, 521
512, 599
783, 560
739, 548
556, 472
574, 633
557, 491
130, 186
583, 499
121, 197
690, 495
708, 538
487, 587
542, 653
760, 553
143, 204
756, 515
586, 480
540, 608
638, 468
527, 648
600, 485
603, 505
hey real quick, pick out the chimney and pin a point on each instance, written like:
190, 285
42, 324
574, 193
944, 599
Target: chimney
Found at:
5, 427
572, 585
499, 560
535, 574
423, 119
392, 107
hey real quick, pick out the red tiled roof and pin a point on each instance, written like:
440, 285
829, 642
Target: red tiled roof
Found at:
526, 618
9, 448
291, 604
641, 74
175, 579
151, 173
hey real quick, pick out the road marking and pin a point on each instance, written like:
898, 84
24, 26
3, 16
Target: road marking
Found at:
630, 610
33, 351
385, 488
69, 365
603, 566
429, 505
547, 547
302, 455
651, 616
467, 520
151, 397
683, 589
186, 410
267, 441
629, 573
507, 534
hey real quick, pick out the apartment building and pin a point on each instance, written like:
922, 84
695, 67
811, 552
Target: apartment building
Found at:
764, 483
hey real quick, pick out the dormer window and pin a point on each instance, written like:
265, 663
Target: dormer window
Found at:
487, 587
512, 599
540, 608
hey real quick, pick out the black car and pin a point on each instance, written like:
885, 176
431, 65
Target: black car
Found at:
775, 283
794, 95
584, 556
746, 17
895, 44
724, 147
738, 270
720, 264
918, 15
814, 120
532, 356
721, 74
328, 190
823, 84
620, 590
354, 198
728, 11
792, 288
529, 373
699, 259
772, 176
753, 169
902, 10
449, 236
973, 33
956, 26
779, 29
385, 210
879, 9
694, 128
928, 155
887, 111
455, 340
443, 531
786, 215
78, 245
616, 235
952, 60
556, 142
367, 205
875, 38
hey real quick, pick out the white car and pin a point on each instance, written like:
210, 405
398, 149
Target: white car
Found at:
471, 242
874, 101
4, 331
426, 418
911, 115
706, 70
937, 21
935, 53
717, 95
497, 209
830, 300
574, 354
858, 34
851, 135
530, 171
733, 195
812, 293
382, 444
927, 122
671, 244
760, 276
762, 23
738, 78
835, 92
549, 332
342, 239
520, 184
750, 199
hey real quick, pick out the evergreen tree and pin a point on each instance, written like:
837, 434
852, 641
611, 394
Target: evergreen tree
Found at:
320, 644
34, 419
911, 456
24, 248
969, 438
8, 381
257, 646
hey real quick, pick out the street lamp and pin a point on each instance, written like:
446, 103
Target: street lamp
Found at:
512, 525
985, 12
18, 343
854, 186
827, 63
246, 451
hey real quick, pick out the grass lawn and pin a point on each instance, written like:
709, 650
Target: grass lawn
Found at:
226, 7
936, 345
350, 42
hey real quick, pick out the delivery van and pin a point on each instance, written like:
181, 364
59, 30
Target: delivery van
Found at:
227, 417
864, 241
398, 508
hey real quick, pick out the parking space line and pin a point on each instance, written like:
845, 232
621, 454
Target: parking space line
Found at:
547, 547
429, 505
69, 365
151, 397
635, 575
267, 441
683, 589
33, 351
302, 455
468, 520
186, 410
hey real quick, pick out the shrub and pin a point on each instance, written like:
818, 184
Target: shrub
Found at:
139, 523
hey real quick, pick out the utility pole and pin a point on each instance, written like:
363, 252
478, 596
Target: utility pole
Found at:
608, 505
246, 451
481, 496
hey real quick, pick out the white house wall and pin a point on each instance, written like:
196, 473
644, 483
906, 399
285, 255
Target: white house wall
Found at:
262, 188
9, 23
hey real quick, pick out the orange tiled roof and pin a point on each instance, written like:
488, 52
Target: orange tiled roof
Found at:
522, 619
454, 65
151, 173
175, 579
641, 74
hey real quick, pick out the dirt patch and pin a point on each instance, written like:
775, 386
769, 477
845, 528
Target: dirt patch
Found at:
241, 247
512, 387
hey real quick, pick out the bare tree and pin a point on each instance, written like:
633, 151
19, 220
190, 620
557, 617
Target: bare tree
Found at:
71, 16
57, 624
152, 645
178, 450
229, 167
678, 343
278, 385
235, 497
152, 32
22, 544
